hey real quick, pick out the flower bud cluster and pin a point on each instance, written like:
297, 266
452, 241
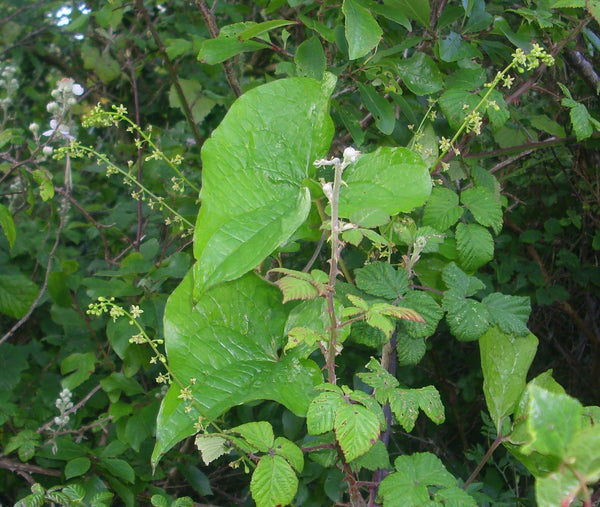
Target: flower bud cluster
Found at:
63, 404
65, 97
8, 84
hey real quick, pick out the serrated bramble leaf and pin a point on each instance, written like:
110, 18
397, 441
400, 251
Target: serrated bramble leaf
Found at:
408, 486
294, 288
398, 312
258, 434
290, 451
442, 210
454, 497
428, 309
485, 207
382, 279
431, 404
457, 280
321, 412
468, 319
410, 350
509, 313
379, 379
356, 430
298, 335
377, 320
405, 406
475, 246
211, 447
273, 482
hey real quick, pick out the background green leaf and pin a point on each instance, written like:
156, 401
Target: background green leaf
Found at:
362, 31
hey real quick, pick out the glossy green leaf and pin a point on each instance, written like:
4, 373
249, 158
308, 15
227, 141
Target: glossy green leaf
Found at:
310, 59
454, 48
475, 246
468, 319
505, 361
392, 180
382, 110
77, 467
229, 341
509, 313
362, 31
556, 489
253, 167
273, 482
553, 419
17, 294
8, 225
356, 430
420, 74
485, 207
80, 365
119, 468
415, 10
382, 280
261, 28
442, 209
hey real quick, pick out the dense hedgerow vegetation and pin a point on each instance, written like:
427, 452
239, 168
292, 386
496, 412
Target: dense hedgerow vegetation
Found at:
299, 252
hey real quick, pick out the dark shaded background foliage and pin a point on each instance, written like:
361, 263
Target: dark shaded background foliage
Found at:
143, 55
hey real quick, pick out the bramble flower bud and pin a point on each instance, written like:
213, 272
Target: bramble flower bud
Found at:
350, 155
52, 107
34, 127
48, 150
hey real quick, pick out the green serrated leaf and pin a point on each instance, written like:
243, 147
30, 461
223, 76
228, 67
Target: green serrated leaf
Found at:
290, 451
428, 309
382, 280
273, 482
452, 102
457, 280
253, 168
442, 210
211, 447
321, 412
468, 319
475, 246
356, 430
362, 31
258, 434
82, 365
408, 486
505, 361
509, 313
485, 207
410, 350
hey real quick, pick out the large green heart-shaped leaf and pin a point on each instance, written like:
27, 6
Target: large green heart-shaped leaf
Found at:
229, 342
391, 180
253, 167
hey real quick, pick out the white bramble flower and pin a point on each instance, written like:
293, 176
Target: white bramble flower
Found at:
47, 150
57, 128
